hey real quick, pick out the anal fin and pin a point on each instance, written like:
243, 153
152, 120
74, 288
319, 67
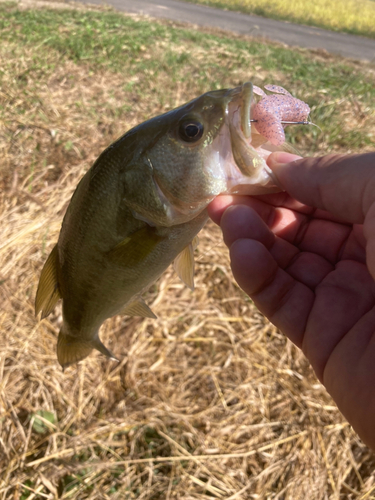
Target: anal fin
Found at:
138, 308
48, 292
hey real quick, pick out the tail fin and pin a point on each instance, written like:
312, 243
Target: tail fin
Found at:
71, 349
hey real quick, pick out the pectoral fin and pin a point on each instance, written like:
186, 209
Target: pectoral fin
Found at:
138, 308
48, 292
71, 350
184, 265
195, 242
136, 247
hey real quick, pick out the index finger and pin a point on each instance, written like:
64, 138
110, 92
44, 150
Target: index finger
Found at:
305, 231
264, 205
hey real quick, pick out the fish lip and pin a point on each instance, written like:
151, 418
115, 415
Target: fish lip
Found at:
245, 155
244, 95
247, 98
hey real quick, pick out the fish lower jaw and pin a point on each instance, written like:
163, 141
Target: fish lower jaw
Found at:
255, 179
263, 184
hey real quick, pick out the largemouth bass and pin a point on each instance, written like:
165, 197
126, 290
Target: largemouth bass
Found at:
140, 207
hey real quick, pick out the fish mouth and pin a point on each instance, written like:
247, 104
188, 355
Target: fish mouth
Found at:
248, 160
249, 149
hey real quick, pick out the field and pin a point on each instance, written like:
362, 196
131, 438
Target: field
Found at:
350, 16
209, 400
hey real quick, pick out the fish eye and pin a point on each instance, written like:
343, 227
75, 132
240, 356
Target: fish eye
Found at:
190, 130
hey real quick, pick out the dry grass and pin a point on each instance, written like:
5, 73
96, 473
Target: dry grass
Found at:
209, 401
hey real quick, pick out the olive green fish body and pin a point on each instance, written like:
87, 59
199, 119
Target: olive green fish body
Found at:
104, 274
103, 249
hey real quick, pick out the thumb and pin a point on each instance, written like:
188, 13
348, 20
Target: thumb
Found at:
344, 185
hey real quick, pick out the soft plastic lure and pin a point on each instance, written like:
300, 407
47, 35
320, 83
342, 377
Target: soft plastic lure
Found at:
273, 112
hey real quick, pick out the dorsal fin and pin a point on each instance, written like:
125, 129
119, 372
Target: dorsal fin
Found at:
48, 292
184, 266
138, 308
71, 350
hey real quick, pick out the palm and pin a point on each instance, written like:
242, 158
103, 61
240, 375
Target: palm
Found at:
306, 271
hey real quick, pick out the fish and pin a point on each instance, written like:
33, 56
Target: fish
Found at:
140, 207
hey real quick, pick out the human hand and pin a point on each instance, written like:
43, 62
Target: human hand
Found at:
306, 257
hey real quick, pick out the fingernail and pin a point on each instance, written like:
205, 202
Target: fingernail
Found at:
281, 158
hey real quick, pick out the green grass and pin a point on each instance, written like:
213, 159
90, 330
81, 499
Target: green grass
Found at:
350, 16
148, 55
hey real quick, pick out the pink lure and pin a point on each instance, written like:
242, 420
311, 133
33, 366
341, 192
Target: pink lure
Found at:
271, 110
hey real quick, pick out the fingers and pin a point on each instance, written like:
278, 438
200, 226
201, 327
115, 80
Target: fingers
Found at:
341, 184
240, 222
268, 208
312, 301
285, 301
322, 237
273, 272
218, 206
